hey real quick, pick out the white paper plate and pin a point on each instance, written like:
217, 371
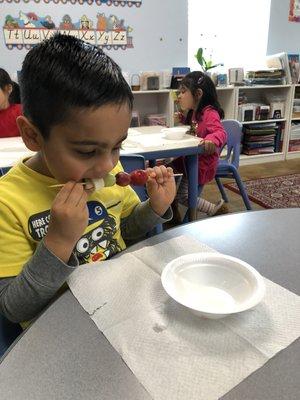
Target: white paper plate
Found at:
213, 285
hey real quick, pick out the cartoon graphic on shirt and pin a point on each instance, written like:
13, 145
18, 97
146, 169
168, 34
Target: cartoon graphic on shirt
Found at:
97, 244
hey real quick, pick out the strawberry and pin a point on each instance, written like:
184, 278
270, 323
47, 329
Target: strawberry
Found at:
139, 177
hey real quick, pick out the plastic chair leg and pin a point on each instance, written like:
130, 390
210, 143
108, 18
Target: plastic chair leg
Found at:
9, 331
242, 189
221, 189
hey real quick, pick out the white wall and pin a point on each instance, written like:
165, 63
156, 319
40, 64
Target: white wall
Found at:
283, 35
153, 21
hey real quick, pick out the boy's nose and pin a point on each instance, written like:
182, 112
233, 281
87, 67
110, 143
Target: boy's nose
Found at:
104, 165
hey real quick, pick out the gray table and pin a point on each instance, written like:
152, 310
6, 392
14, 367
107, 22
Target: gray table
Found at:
64, 356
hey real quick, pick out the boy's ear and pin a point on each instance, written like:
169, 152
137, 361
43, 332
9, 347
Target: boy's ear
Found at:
29, 133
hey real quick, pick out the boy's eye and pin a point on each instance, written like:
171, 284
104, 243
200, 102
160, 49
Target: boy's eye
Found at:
118, 148
87, 153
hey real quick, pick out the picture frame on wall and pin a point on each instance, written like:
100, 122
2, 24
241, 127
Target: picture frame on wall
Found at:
294, 12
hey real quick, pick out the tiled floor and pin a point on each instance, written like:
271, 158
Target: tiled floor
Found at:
248, 172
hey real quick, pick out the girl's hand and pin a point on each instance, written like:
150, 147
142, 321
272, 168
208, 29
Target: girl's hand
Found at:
209, 147
161, 188
68, 220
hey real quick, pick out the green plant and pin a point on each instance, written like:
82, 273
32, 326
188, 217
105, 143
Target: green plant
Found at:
205, 64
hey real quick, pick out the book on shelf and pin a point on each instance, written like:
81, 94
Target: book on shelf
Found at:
277, 140
259, 132
294, 64
264, 150
264, 81
256, 138
255, 145
280, 61
262, 138
294, 145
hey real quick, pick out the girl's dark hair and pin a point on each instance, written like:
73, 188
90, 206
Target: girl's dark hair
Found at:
199, 80
63, 74
5, 80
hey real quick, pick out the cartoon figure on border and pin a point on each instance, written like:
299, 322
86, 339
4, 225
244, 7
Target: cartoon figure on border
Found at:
28, 29
122, 3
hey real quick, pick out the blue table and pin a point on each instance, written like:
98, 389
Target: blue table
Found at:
191, 158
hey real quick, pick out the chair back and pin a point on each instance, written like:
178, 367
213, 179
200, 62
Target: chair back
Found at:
234, 132
130, 162
3, 170
9, 331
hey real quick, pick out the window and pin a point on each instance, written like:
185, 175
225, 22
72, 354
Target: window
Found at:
234, 32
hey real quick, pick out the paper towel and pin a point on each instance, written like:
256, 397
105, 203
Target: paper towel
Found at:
173, 353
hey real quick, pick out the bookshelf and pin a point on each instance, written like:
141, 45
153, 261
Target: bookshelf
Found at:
265, 94
162, 102
293, 145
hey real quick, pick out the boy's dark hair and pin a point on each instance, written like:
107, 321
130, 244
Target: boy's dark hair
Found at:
199, 80
5, 80
64, 73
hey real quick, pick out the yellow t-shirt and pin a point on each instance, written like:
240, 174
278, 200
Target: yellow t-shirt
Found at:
25, 202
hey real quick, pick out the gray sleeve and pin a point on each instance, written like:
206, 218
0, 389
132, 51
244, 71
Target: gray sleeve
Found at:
141, 221
24, 296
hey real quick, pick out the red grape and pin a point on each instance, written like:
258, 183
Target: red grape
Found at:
139, 177
123, 179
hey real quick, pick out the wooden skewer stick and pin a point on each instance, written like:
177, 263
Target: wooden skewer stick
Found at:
87, 183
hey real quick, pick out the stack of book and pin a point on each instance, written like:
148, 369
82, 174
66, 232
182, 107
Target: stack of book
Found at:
265, 77
294, 143
261, 138
155, 119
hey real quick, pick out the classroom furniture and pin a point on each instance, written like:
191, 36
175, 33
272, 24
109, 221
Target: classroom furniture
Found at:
228, 167
4, 170
64, 356
162, 101
9, 331
131, 162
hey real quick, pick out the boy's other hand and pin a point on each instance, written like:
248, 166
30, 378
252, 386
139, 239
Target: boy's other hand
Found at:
68, 220
161, 188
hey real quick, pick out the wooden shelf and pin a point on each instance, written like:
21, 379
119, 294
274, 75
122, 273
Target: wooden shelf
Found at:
162, 102
262, 121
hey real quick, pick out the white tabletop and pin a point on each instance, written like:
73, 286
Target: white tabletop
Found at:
12, 150
140, 140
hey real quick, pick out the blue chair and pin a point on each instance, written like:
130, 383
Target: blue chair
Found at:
9, 331
228, 167
3, 170
130, 162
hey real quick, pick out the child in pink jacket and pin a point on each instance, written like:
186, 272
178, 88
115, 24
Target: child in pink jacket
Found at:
198, 97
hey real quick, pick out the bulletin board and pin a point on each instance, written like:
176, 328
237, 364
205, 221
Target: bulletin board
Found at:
122, 3
28, 29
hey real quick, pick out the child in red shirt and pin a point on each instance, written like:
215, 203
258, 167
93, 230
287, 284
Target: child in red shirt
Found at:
9, 107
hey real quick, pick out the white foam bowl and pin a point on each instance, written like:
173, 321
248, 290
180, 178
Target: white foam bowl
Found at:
213, 285
175, 133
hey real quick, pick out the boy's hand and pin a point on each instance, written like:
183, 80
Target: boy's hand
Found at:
161, 188
68, 220
209, 147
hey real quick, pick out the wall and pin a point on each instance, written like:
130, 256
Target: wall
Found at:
159, 31
283, 35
